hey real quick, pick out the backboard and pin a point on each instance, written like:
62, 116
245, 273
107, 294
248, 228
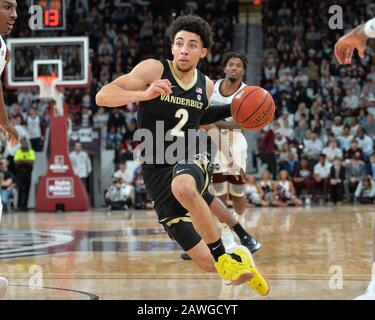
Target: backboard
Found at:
67, 57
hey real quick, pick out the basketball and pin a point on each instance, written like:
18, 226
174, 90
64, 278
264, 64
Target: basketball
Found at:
253, 108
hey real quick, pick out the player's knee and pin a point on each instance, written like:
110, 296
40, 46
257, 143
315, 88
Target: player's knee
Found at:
184, 189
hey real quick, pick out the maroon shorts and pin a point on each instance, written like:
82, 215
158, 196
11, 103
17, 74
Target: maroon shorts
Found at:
221, 177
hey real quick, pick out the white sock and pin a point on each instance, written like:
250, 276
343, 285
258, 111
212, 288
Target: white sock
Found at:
228, 237
240, 218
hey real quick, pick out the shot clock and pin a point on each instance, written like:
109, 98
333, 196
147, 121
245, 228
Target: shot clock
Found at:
48, 14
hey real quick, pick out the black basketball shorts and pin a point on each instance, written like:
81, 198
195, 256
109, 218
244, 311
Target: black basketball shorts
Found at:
171, 214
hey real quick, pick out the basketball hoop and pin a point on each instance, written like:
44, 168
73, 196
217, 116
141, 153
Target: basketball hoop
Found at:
47, 90
47, 86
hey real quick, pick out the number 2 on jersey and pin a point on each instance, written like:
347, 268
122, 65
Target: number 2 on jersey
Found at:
184, 115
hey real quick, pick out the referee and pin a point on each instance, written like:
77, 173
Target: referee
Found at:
24, 161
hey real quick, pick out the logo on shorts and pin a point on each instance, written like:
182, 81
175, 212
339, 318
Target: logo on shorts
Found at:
177, 172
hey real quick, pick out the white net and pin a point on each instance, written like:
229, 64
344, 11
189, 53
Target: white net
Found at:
47, 87
47, 90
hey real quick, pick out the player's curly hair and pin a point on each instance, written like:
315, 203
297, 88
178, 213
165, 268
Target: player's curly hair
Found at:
229, 55
195, 25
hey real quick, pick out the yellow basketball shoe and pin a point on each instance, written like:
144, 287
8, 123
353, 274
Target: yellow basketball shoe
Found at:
258, 283
232, 267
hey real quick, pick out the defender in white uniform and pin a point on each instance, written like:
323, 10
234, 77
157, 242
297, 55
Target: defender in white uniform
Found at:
224, 180
8, 16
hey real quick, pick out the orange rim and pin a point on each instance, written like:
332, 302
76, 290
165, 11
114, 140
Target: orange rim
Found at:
47, 80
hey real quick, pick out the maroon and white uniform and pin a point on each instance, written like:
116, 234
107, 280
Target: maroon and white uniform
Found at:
223, 181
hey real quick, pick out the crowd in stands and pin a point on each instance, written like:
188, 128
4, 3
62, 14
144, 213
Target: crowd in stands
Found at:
121, 34
321, 144
127, 189
323, 133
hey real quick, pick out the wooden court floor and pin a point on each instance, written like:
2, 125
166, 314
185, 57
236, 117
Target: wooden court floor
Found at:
308, 253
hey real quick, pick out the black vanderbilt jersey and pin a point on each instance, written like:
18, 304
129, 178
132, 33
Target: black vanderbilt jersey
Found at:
169, 124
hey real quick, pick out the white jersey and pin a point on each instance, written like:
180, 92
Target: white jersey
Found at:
33, 127
237, 141
369, 28
252, 194
284, 188
3, 55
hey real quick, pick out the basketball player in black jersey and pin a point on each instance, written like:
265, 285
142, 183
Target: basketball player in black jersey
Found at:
173, 96
8, 16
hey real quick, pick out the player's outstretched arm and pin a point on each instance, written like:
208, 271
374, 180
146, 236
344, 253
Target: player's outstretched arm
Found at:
141, 84
216, 115
354, 39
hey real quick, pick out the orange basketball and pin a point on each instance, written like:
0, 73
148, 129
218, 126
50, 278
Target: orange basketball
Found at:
253, 108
